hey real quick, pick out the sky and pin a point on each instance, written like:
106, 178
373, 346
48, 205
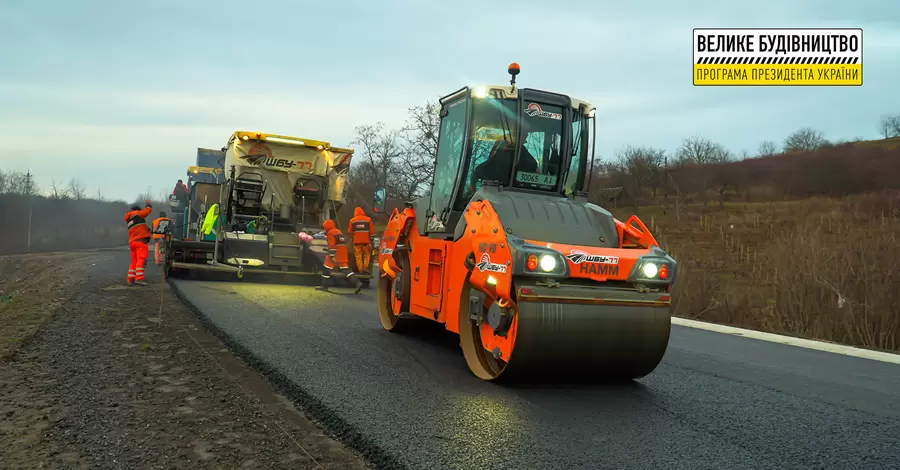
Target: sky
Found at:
121, 94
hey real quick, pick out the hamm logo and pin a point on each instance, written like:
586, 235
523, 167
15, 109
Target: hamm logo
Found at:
535, 109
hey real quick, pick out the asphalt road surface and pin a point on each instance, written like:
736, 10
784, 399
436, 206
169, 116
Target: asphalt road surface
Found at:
717, 401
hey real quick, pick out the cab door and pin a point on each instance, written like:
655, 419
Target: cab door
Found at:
431, 251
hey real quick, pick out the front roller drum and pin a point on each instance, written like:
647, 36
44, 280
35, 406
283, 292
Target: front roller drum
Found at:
569, 341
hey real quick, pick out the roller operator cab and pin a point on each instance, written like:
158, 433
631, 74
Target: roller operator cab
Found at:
507, 251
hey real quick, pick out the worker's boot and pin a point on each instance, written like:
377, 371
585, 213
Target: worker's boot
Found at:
324, 285
356, 281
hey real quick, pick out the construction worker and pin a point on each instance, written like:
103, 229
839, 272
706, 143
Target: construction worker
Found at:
361, 231
158, 238
138, 242
182, 195
336, 256
181, 192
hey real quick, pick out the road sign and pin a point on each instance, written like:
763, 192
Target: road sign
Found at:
777, 56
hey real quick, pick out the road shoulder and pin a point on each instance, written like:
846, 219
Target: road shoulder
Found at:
103, 378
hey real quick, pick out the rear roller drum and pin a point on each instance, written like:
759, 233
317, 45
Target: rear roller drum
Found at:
393, 295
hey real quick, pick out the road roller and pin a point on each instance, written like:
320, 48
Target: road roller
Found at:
507, 251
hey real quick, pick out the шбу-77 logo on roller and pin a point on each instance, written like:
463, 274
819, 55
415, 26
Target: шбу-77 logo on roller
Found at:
535, 109
579, 257
485, 265
594, 264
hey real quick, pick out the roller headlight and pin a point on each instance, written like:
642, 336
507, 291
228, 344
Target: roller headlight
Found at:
548, 263
650, 270
531, 259
656, 267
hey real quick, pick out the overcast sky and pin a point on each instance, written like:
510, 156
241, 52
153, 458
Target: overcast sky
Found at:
120, 94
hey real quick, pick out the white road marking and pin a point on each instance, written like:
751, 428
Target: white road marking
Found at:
803, 343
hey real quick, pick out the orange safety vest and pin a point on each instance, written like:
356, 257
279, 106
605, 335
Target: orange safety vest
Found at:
337, 247
361, 228
156, 222
137, 224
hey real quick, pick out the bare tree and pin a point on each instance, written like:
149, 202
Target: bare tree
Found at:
144, 196
16, 182
724, 176
699, 153
889, 126
379, 150
77, 189
638, 168
421, 140
422, 128
804, 140
402, 160
767, 148
57, 191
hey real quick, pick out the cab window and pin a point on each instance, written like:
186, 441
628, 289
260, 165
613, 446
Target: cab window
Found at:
491, 153
540, 159
450, 146
575, 175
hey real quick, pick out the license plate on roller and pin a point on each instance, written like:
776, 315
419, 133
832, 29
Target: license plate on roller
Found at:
535, 178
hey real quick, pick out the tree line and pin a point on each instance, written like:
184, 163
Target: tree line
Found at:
65, 216
60, 217
699, 170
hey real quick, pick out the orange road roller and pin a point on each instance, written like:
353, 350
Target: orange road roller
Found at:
507, 252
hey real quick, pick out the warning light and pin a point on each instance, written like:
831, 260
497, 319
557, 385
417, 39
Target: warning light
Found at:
320, 146
513, 71
258, 135
663, 271
531, 262
245, 137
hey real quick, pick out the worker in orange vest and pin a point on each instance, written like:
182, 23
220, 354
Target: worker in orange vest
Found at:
138, 242
158, 238
336, 256
361, 231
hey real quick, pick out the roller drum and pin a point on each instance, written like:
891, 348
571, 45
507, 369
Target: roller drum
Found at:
588, 341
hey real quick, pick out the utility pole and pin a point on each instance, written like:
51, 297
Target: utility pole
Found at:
665, 183
28, 191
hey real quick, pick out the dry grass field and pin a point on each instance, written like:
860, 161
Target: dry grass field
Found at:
816, 268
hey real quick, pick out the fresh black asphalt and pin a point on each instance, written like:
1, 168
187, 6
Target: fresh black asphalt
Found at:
717, 401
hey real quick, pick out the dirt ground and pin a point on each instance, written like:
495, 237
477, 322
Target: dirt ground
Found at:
94, 374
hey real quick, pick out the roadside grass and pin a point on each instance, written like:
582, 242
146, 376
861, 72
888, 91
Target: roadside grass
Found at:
29, 286
818, 268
